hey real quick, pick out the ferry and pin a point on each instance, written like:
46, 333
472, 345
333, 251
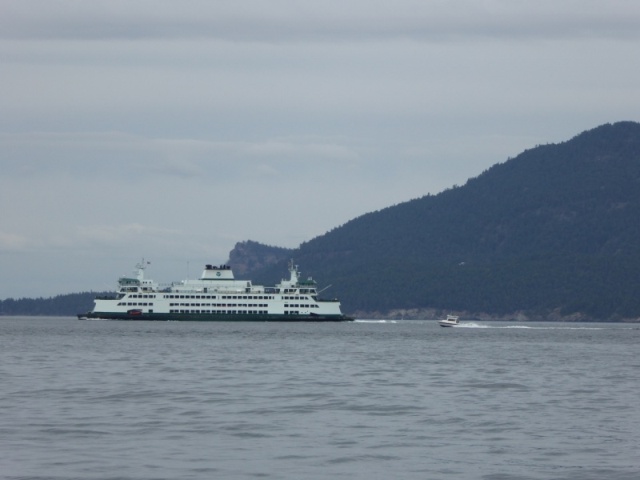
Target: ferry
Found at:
216, 296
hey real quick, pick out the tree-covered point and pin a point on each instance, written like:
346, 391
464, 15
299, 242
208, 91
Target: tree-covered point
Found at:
62, 305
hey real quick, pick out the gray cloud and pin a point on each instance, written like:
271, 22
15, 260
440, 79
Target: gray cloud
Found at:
288, 20
172, 130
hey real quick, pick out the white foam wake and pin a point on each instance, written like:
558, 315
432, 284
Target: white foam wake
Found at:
528, 327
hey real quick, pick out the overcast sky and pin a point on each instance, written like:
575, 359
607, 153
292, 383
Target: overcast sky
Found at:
171, 130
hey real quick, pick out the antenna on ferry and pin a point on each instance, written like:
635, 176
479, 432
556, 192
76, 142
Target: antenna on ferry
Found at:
140, 269
324, 289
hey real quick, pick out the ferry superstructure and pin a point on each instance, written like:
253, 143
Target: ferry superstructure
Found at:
216, 296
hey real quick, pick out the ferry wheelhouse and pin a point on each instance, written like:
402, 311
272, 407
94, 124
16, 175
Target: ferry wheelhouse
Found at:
216, 296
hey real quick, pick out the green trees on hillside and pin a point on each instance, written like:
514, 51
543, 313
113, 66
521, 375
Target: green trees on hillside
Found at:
555, 228
63, 305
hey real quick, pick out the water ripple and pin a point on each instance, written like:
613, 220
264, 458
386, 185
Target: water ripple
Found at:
370, 400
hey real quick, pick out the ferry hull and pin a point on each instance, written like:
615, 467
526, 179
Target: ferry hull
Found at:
200, 317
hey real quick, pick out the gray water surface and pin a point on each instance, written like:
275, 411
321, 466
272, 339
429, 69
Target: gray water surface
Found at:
363, 400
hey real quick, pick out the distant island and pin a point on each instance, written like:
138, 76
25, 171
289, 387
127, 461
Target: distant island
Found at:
552, 234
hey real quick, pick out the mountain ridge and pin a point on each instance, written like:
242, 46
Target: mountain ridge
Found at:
551, 233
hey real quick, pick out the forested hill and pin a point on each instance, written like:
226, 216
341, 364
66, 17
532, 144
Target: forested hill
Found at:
553, 232
63, 305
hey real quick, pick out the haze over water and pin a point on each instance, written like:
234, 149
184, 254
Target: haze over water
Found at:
363, 400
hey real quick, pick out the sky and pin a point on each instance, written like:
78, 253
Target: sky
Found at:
171, 130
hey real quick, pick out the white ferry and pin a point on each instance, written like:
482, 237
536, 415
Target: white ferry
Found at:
216, 296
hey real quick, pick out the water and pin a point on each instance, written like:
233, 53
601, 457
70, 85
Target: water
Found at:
365, 400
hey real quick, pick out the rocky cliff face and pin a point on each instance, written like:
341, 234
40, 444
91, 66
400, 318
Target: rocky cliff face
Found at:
247, 257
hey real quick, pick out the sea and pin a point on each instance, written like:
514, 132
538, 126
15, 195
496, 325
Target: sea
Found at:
363, 400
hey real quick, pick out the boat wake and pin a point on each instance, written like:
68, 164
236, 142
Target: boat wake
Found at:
374, 321
526, 327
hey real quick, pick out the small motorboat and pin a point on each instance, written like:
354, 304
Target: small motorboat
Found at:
450, 321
